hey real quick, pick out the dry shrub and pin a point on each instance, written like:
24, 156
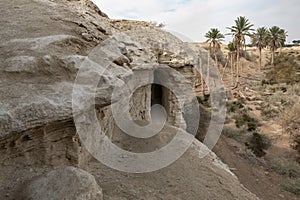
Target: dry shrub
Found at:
234, 133
244, 119
289, 169
258, 143
286, 70
290, 120
292, 185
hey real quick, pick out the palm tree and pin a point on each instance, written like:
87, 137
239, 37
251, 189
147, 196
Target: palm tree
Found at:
215, 37
276, 38
239, 31
260, 40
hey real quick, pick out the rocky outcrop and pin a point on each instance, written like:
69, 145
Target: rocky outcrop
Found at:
39, 60
38, 70
41, 55
68, 183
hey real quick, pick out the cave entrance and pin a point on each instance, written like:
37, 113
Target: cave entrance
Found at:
160, 96
156, 94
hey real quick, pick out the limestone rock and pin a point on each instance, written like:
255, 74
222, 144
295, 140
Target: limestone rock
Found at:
67, 183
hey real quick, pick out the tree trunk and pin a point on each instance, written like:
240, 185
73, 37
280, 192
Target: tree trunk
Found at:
237, 66
273, 53
231, 67
216, 59
224, 69
202, 85
259, 58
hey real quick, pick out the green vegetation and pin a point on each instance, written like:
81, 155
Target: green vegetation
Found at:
263, 37
277, 96
234, 133
239, 31
260, 40
248, 56
235, 106
291, 170
215, 37
286, 70
292, 185
243, 119
273, 37
245, 125
270, 112
296, 42
258, 143
282, 104
290, 119
276, 39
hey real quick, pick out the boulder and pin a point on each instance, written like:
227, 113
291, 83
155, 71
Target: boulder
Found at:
66, 183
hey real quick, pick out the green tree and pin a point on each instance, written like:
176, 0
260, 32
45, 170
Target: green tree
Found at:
260, 40
215, 37
296, 42
276, 38
239, 31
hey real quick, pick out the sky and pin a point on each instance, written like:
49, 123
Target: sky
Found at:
191, 19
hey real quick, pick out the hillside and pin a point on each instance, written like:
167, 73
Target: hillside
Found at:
48, 112
271, 106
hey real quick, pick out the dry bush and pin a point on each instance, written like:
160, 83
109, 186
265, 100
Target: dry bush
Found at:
292, 185
234, 133
290, 120
251, 57
286, 70
290, 169
244, 119
282, 97
258, 143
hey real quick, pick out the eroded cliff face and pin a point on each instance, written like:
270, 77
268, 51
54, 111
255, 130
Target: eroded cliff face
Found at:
43, 45
42, 53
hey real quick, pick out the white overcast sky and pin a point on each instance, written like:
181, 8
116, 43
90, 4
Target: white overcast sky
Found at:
193, 18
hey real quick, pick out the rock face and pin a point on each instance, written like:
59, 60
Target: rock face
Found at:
42, 48
40, 58
68, 183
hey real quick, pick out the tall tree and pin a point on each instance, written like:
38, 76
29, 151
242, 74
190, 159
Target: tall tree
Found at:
276, 38
215, 37
260, 40
239, 31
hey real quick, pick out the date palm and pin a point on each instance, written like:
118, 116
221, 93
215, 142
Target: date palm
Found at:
215, 37
276, 38
239, 31
260, 40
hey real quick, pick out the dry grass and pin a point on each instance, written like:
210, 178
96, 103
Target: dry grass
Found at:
292, 185
290, 120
